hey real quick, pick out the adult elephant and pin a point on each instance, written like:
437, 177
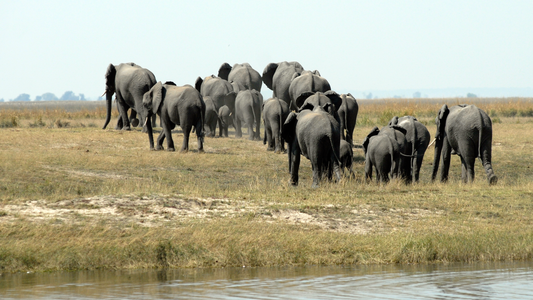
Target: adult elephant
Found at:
314, 134
382, 153
176, 105
464, 130
128, 82
246, 109
275, 112
315, 99
243, 75
218, 90
348, 116
417, 140
278, 77
307, 81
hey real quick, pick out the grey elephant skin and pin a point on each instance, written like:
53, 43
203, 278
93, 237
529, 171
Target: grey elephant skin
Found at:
307, 81
129, 82
278, 77
417, 140
348, 116
243, 75
382, 153
310, 100
275, 112
314, 134
246, 108
346, 158
218, 89
211, 117
464, 130
176, 105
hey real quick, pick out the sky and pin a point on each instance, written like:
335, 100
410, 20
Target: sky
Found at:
58, 45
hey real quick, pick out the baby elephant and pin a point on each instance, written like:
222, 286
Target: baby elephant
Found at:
176, 105
275, 112
382, 153
346, 158
247, 109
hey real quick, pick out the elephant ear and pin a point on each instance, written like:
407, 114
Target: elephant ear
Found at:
373, 132
288, 130
170, 83
110, 78
224, 70
441, 120
400, 129
157, 96
300, 100
335, 99
393, 121
268, 74
229, 101
198, 83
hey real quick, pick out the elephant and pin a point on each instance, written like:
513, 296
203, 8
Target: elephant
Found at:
211, 116
218, 89
278, 76
275, 112
246, 108
315, 99
226, 119
129, 82
348, 116
464, 130
176, 105
382, 153
346, 157
417, 140
243, 75
397, 133
314, 134
307, 81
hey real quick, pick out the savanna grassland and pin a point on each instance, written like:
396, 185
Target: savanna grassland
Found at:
74, 196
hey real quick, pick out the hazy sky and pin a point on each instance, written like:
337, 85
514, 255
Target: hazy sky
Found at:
55, 46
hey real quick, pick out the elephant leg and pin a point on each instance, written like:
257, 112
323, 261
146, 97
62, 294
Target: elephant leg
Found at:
168, 134
123, 113
238, 129
294, 164
269, 139
186, 133
464, 171
368, 169
133, 118
160, 140
470, 162
220, 127
417, 164
446, 156
316, 175
336, 168
486, 153
200, 135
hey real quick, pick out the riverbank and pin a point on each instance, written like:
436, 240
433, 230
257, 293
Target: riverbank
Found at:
78, 197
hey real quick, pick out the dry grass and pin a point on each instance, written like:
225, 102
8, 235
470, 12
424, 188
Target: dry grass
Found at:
78, 197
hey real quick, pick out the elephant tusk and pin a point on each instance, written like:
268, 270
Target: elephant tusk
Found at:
103, 93
146, 121
432, 142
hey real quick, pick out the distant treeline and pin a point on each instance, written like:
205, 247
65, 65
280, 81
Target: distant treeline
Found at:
68, 95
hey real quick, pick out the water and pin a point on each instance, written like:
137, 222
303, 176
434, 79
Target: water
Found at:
475, 281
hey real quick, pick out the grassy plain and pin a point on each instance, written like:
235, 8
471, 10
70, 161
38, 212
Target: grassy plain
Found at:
74, 196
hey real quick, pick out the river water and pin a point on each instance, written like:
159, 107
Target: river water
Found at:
473, 281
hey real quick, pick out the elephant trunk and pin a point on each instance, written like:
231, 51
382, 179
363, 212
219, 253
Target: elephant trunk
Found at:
436, 158
149, 130
109, 95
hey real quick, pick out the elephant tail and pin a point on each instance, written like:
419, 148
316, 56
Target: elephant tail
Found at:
481, 125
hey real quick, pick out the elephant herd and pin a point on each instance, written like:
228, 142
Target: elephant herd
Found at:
304, 113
